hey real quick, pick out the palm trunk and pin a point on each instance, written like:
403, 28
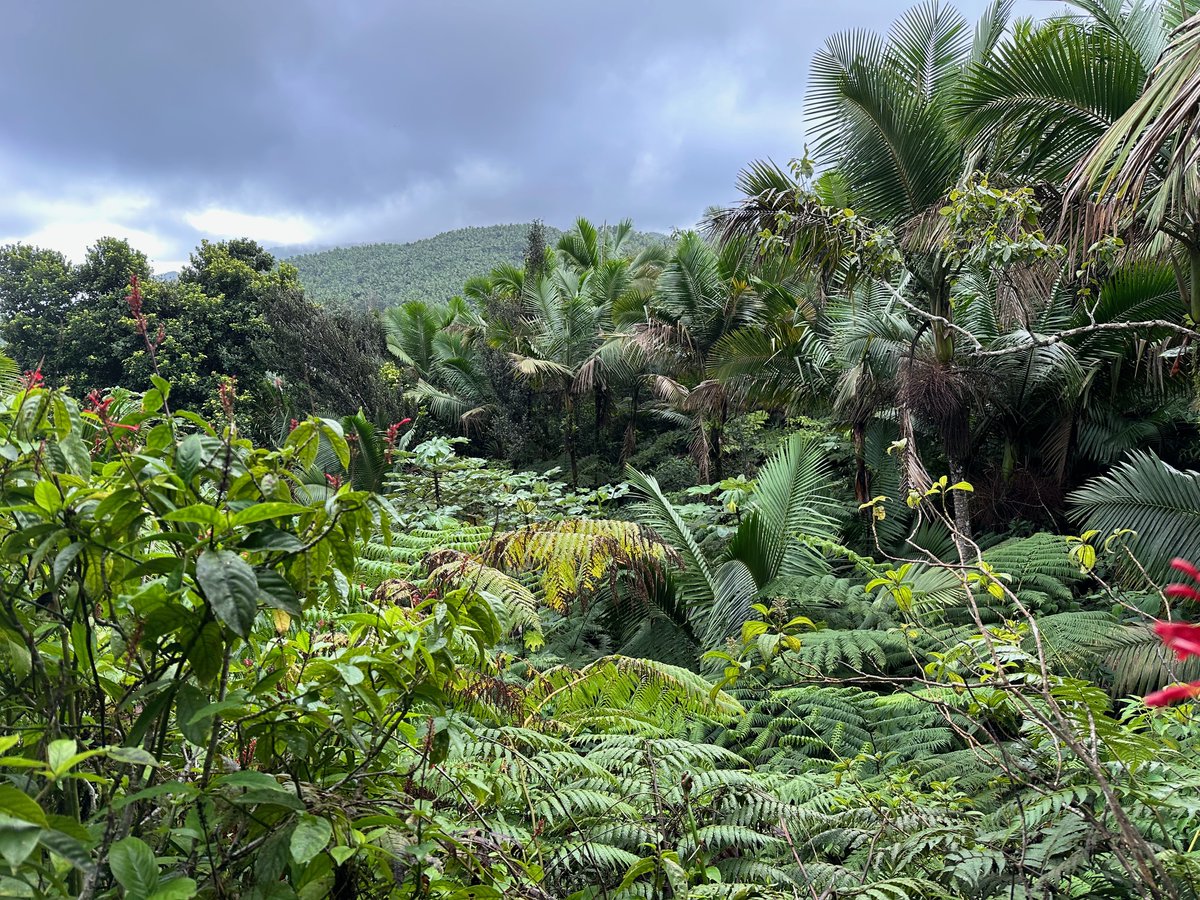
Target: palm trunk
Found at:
961, 502
1194, 262
943, 337
572, 432
718, 448
862, 481
630, 445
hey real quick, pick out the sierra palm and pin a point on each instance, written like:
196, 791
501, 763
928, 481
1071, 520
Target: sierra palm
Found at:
882, 109
794, 499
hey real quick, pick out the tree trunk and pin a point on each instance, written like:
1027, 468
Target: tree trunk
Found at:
1194, 260
572, 449
862, 481
718, 448
630, 445
961, 502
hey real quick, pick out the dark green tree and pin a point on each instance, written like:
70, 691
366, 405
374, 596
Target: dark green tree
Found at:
37, 287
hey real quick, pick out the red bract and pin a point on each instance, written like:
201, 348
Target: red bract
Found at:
134, 299
32, 379
1186, 568
1173, 694
1182, 591
1182, 637
99, 408
334, 481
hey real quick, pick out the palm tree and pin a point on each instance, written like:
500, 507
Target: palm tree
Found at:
441, 346
702, 295
1046, 95
1148, 162
563, 319
884, 117
794, 499
1108, 97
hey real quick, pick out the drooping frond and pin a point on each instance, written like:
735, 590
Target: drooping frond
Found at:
571, 557
1157, 502
622, 694
515, 605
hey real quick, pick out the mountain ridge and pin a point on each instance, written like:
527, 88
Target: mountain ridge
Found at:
381, 274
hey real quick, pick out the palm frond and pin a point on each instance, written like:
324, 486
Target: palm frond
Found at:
1157, 502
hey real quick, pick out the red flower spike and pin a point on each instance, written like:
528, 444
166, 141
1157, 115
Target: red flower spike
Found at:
1173, 694
1186, 568
1182, 637
1182, 591
134, 299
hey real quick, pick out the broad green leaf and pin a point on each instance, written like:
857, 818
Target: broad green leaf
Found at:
134, 866
200, 513
59, 754
188, 701
63, 560
19, 805
205, 652
75, 454
47, 496
277, 591
133, 756
189, 456
162, 384
230, 588
176, 889
309, 838
70, 846
17, 840
332, 430
260, 512
152, 401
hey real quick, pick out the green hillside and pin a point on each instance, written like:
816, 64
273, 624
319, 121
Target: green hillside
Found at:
379, 275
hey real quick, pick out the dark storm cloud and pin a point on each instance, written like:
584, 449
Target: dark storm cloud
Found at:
386, 120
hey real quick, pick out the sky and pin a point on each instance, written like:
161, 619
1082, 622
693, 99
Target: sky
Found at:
328, 122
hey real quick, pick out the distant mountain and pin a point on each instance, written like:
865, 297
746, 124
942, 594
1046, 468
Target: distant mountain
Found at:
381, 275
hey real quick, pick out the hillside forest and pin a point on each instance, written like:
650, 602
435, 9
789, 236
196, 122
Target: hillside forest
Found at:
375, 276
843, 547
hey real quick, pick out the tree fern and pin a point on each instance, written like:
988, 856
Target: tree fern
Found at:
573, 556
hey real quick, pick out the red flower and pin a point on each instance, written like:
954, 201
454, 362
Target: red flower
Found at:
389, 439
1182, 591
293, 424
32, 379
99, 408
1173, 694
1186, 568
134, 299
334, 481
1182, 637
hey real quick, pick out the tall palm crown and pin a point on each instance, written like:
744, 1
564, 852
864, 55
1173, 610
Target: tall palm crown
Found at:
882, 110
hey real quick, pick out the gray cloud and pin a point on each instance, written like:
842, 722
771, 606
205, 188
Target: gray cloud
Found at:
385, 120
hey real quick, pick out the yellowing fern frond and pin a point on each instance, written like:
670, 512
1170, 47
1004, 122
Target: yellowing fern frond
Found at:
573, 557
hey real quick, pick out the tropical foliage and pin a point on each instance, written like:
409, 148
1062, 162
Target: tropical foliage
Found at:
824, 551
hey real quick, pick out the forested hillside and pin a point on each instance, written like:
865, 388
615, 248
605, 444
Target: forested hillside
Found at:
844, 548
379, 275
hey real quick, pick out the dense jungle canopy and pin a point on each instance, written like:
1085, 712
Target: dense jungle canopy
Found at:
839, 548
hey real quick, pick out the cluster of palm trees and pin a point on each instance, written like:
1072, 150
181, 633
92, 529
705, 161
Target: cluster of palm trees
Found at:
995, 276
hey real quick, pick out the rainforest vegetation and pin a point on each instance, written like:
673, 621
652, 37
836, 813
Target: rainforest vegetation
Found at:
838, 549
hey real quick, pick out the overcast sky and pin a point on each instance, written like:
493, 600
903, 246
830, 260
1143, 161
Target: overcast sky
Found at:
343, 121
